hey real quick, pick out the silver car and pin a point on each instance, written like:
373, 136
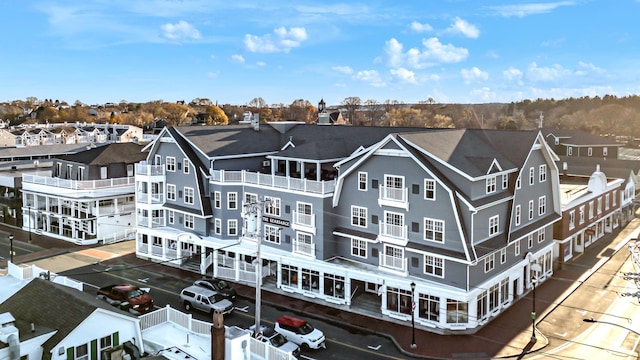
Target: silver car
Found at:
197, 297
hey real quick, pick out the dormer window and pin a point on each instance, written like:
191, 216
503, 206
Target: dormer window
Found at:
491, 185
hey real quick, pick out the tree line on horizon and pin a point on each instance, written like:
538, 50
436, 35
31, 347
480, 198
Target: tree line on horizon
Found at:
608, 115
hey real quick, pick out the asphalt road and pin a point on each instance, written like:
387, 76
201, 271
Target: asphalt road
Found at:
341, 343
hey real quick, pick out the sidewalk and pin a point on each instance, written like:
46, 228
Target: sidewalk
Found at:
504, 337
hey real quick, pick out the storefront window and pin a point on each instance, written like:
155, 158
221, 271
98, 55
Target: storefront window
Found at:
457, 312
334, 285
289, 275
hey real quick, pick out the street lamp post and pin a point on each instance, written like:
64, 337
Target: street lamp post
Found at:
11, 247
533, 312
413, 316
29, 216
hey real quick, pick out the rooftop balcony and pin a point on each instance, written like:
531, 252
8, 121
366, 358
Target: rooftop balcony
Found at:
45, 183
275, 181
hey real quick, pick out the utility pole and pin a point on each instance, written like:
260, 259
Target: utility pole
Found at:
253, 211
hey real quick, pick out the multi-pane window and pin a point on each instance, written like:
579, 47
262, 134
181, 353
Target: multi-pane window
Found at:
457, 312
359, 216
362, 181
494, 297
590, 209
572, 219
605, 151
171, 163
569, 151
532, 175
491, 185
429, 307
232, 200
185, 166
217, 199
232, 227
272, 234
171, 192
250, 198
503, 255
217, 226
433, 266
171, 216
518, 182
504, 290
516, 248
530, 241
272, 206
541, 234
542, 205
505, 181
530, 209
434, 230
189, 221
542, 173
481, 306
489, 262
518, 214
494, 225
359, 248
429, 189
105, 343
607, 201
581, 210
189, 195
82, 352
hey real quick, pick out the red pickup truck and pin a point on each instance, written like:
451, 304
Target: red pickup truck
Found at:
127, 297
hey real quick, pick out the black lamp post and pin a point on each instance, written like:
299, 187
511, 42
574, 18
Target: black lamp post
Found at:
11, 247
413, 317
534, 280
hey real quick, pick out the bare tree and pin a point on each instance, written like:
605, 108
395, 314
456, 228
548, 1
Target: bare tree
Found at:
352, 104
373, 112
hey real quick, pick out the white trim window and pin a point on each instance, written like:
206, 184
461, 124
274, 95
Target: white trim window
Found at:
542, 173
494, 225
434, 266
217, 226
429, 189
518, 182
605, 151
232, 227
272, 234
272, 206
505, 181
359, 248
541, 235
491, 185
189, 221
232, 200
542, 205
607, 201
171, 216
189, 195
530, 209
589, 151
171, 163
530, 240
171, 192
250, 198
569, 151
434, 230
362, 181
186, 165
516, 248
489, 262
572, 219
518, 214
503, 255
581, 213
81, 352
359, 216
532, 175
217, 199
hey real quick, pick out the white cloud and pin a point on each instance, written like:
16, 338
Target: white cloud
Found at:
282, 40
588, 68
460, 26
484, 94
261, 63
343, 69
371, 77
512, 74
238, 59
523, 10
419, 27
404, 75
180, 31
473, 74
433, 52
555, 72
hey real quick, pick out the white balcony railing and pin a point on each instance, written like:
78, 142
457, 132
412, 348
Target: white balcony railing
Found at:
304, 248
394, 194
143, 168
392, 262
276, 181
146, 198
303, 219
77, 184
393, 231
156, 221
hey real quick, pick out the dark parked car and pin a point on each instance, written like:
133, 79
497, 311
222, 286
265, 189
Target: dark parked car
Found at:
218, 285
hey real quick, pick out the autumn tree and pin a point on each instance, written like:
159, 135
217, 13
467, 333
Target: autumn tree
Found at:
352, 104
215, 116
177, 114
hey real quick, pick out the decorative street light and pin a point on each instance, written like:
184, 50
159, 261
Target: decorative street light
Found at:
11, 247
413, 316
535, 268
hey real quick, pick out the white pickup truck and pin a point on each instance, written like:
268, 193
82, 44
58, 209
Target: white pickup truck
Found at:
205, 300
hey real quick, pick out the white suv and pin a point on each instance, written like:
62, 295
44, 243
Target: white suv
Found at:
300, 332
270, 336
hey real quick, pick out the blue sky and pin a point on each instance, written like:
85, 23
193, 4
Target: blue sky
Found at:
454, 51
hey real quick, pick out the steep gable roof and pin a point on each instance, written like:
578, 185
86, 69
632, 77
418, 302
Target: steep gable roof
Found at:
60, 307
128, 153
578, 137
